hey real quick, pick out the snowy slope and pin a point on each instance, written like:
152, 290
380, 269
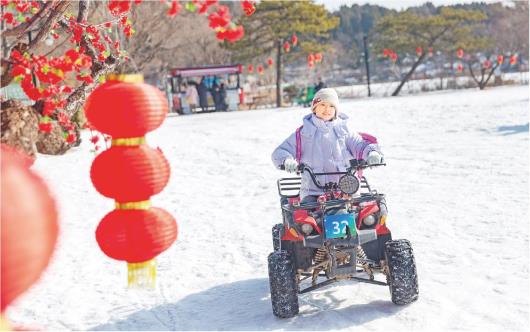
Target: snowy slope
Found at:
456, 185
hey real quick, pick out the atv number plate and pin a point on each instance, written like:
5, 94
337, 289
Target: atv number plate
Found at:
336, 225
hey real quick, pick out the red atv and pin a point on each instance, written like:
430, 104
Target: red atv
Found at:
343, 235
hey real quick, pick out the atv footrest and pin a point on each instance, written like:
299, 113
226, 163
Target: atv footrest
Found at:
322, 284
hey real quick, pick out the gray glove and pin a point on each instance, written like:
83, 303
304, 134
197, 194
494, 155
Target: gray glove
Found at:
374, 157
290, 165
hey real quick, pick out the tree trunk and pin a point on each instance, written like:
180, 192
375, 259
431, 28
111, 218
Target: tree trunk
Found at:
409, 74
279, 75
20, 127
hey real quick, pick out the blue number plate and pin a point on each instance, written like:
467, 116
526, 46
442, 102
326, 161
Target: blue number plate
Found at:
336, 225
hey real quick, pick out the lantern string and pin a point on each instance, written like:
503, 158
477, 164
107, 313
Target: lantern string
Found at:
129, 141
141, 275
140, 205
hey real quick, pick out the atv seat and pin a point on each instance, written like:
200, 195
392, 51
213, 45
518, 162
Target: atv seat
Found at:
289, 187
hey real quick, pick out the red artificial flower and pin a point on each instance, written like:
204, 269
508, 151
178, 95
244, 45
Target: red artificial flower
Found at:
8, 17
248, 7
86, 78
70, 138
45, 127
175, 8
118, 7
217, 21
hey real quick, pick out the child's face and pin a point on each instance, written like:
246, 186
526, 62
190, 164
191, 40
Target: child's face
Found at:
325, 111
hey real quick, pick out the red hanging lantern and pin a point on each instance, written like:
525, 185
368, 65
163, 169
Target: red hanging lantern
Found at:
419, 51
393, 57
318, 57
269, 62
310, 58
294, 40
460, 53
386, 52
250, 68
121, 98
286, 46
500, 59
430, 51
125, 234
260, 69
513, 59
239, 68
17, 154
487, 64
131, 172
459, 67
28, 224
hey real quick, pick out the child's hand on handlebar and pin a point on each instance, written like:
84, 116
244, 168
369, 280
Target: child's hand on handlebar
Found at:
290, 165
374, 157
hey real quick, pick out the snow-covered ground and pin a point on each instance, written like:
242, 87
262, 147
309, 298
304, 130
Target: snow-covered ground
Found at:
456, 185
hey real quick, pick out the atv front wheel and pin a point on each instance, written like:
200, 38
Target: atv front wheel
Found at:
282, 279
402, 277
276, 236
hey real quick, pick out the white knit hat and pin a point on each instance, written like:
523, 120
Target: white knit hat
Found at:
326, 94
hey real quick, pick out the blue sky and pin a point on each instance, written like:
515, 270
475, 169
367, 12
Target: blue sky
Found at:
394, 4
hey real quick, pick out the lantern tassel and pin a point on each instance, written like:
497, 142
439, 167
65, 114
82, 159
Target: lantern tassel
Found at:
142, 275
4, 325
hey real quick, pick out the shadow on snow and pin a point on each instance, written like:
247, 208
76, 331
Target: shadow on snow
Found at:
510, 130
245, 305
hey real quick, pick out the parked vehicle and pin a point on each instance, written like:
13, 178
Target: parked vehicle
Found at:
220, 88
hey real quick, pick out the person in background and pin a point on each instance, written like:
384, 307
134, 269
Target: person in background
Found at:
192, 96
320, 85
222, 98
326, 145
202, 90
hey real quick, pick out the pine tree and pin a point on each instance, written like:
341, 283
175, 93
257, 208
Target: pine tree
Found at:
447, 31
274, 23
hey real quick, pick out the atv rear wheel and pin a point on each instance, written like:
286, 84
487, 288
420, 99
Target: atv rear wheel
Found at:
276, 236
402, 277
283, 286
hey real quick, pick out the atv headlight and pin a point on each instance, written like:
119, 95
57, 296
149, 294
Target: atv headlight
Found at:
349, 184
307, 229
369, 220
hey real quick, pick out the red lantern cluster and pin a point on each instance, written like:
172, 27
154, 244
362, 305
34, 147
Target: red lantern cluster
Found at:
131, 172
388, 52
29, 226
312, 59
